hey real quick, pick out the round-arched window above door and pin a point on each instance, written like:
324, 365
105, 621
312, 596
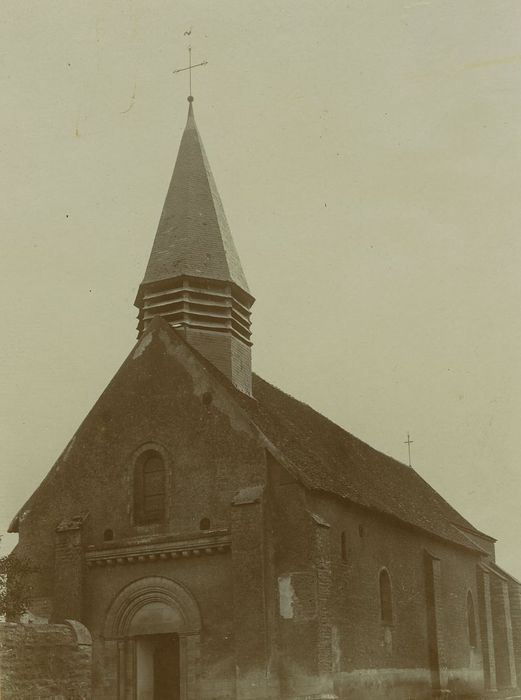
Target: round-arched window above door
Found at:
149, 488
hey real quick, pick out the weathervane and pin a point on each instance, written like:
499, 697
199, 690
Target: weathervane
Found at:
409, 442
190, 66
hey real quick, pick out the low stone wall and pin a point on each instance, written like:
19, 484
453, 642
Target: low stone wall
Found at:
44, 662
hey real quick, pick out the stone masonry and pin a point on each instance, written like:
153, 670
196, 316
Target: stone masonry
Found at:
45, 661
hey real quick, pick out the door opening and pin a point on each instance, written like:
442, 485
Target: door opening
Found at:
157, 667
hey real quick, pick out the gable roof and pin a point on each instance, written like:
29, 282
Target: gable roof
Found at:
330, 459
193, 237
322, 455
160, 382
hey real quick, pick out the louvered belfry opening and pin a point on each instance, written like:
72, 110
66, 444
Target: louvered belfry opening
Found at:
189, 302
194, 278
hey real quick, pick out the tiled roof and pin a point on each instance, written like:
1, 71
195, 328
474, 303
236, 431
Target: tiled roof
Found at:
325, 457
330, 459
193, 236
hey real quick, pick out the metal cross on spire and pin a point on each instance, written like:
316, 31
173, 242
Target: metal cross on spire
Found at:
189, 68
409, 442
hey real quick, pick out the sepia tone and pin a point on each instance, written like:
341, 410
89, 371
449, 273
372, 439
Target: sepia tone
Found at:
204, 534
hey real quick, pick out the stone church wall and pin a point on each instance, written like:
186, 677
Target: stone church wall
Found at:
514, 589
369, 658
506, 676
215, 602
230, 355
209, 448
282, 594
48, 662
303, 583
210, 451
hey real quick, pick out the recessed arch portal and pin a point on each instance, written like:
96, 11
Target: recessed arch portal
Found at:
151, 611
128, 609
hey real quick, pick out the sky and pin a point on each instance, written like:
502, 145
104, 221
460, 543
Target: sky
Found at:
368, 157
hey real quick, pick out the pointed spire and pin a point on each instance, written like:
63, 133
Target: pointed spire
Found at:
194, 278
193, 236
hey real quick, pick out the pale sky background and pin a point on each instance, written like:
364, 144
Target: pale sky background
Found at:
368, 154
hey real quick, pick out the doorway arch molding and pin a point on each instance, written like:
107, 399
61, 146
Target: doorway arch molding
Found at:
186, 624
147, 590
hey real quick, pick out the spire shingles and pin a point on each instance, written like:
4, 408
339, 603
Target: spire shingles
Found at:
193, 237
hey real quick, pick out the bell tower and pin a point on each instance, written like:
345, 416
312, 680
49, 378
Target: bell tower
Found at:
194, 278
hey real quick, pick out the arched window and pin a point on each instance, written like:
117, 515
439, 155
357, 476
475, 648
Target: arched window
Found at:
386, 598
108, 535
343, 546
471, 620
149, 488
204, 524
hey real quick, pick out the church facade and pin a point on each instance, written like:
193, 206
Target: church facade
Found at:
223, 541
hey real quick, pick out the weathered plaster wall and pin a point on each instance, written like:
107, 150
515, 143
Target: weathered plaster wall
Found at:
514, 590
45, 662
229, 354
208, 579
302, 582
161, 397
400, 650
323, 585
314, 611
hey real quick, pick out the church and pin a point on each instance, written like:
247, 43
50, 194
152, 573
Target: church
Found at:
221, 540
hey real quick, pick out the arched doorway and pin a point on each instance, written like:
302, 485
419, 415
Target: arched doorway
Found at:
157, 624
157, 667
